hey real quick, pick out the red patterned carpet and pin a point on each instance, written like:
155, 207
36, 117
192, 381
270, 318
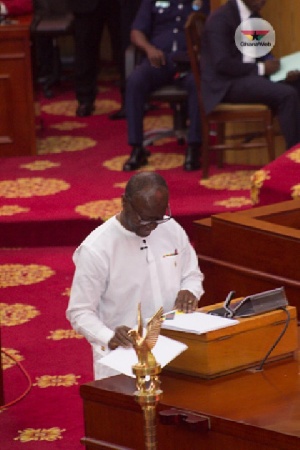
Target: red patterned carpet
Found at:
49, 202
34, 296
76, 179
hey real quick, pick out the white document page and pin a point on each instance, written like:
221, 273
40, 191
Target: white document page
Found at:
287, 63
122, 359
197, 322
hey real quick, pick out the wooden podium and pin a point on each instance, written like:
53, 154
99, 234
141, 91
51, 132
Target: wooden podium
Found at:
17, 112
250, 252
243, 411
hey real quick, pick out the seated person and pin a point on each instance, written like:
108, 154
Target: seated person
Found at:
15, 7
158, 30
228, 76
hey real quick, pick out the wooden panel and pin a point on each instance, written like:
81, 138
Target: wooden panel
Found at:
231, 349
252, 251
248, 410
284, 17
6, 114
1, 377
17, 115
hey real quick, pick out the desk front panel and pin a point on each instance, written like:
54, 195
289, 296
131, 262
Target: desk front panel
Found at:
17, 110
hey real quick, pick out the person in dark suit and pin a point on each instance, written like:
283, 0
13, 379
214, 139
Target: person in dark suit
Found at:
227, 76
128, 10
158, 30
90, 17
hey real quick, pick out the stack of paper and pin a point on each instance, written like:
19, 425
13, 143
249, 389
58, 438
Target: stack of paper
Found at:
196, 322
288, 63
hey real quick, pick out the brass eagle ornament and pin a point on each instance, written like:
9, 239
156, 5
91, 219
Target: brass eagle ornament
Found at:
144, 343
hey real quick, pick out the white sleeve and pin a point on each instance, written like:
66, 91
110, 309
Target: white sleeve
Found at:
192, 277
85, 299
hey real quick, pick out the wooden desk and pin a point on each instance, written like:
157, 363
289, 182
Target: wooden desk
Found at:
1, 377
251, 251
17, 115
244, 411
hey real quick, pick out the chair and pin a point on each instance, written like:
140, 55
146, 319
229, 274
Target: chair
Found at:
51, 20
171, 93
225, 112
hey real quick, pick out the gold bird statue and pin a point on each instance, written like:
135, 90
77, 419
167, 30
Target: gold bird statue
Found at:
144, 344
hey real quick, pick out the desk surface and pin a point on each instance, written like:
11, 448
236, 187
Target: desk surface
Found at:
265, 404
268, 399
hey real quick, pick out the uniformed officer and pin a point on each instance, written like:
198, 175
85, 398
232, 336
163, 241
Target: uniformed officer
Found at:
158, 30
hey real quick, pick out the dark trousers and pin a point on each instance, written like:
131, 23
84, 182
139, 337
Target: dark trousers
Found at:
128, 10
282, 98
145, 79
88, 30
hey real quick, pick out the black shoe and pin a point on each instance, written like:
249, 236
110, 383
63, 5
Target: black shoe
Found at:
192, 156
137, 159
85, 109
118, 115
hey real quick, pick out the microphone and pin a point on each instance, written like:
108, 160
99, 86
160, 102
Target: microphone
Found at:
144, 246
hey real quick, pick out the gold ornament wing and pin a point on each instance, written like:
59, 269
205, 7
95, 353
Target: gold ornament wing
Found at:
153, 329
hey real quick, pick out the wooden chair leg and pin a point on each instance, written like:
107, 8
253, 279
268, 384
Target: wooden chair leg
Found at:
270, 140
221, 139
205, 157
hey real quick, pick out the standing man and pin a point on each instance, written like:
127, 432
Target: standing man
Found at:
128, 10
158, 30
90, 17
141, 255
228, 76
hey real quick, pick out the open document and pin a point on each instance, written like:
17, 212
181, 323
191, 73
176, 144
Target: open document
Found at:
122, 359
287, 64
196, 322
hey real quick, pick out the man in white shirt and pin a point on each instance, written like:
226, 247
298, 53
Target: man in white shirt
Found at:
141, 255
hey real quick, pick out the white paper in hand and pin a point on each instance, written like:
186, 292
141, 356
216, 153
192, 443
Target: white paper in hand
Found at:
122, 359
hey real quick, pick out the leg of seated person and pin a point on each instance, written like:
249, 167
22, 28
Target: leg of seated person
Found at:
141, 82
192, 157
282, 98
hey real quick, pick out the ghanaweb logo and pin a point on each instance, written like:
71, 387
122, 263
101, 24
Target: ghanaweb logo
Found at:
255, 37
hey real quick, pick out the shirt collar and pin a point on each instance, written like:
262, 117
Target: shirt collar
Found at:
244, 11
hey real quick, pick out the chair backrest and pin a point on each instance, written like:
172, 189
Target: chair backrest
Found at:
193, 33
52, 18
51, 7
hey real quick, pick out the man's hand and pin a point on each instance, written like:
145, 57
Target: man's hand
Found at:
186, 301
292, 76
156, 57
120, 338
271, 66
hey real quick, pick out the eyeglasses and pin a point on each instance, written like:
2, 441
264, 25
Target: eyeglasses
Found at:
142, 222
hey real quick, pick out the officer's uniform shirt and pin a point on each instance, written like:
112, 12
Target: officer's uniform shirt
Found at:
162, 21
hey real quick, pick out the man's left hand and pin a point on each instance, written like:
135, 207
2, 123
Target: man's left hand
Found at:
186, 301
293, 75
